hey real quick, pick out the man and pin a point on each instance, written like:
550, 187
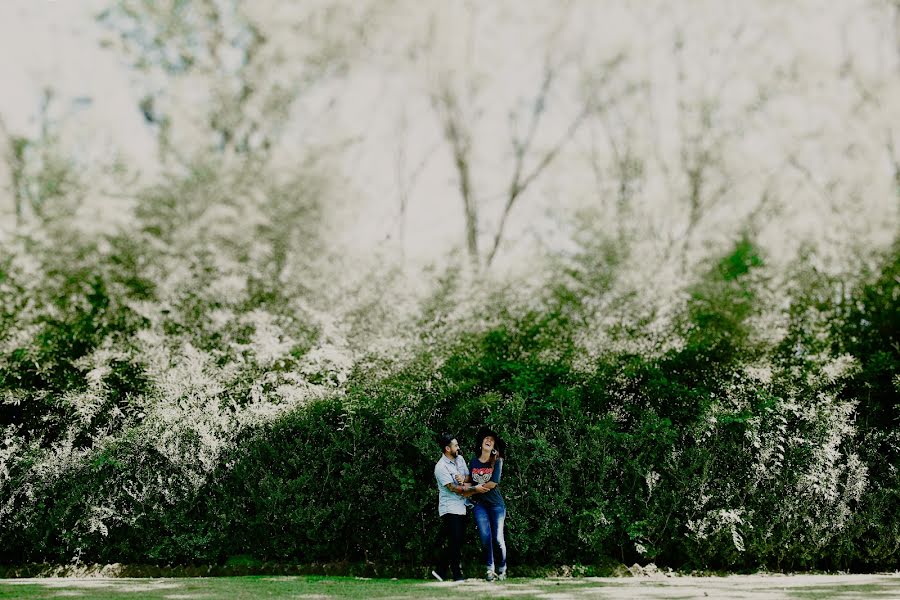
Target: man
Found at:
451, 472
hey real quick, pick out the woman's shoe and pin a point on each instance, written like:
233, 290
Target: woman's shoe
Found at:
502, 575
491, 576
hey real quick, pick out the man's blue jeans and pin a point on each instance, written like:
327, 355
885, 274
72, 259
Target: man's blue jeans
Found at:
490, 520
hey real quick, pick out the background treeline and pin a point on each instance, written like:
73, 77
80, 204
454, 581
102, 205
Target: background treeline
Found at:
168, 397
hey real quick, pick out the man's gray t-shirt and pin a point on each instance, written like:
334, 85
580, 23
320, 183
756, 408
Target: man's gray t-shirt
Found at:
445, 471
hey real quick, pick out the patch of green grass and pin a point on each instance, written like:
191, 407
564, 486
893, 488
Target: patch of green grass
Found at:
870, 590
322, 588
252, 587
239, 588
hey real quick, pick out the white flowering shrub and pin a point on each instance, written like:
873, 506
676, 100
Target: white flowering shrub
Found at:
183, 391
129, 362
781, 480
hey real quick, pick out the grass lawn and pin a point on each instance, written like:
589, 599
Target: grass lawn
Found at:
239, 588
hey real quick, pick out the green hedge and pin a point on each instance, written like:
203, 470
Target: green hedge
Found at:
687, 457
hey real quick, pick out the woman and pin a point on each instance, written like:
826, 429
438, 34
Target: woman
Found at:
485, 470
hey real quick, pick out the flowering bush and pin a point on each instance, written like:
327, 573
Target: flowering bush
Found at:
162, 402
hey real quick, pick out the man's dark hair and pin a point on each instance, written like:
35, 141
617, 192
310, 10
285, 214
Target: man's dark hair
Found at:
444, 440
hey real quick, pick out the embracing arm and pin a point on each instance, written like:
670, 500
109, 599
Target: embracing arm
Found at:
481, 488
466, 489
495, 476
492, 483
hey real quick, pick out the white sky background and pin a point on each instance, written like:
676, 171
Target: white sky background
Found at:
55, 44
818, 147
814, 143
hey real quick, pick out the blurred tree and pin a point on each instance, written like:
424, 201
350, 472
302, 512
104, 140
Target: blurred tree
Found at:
459, 97
223, 75
43, 180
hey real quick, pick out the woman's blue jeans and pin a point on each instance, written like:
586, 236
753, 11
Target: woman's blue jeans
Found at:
490, 520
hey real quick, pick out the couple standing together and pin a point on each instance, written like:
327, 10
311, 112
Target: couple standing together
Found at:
476, 485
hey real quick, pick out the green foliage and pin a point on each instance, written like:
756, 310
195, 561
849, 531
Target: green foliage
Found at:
715, 322
77, 309
719, 449
869, 329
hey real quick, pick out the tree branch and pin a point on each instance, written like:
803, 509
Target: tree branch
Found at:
520, 183
460, 146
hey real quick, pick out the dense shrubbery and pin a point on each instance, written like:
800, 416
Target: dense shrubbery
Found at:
162, 409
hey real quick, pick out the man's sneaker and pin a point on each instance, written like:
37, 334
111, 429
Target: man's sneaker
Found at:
491, 576
502, 575
436, 576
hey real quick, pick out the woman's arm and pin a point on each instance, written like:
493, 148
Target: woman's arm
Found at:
495, 476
